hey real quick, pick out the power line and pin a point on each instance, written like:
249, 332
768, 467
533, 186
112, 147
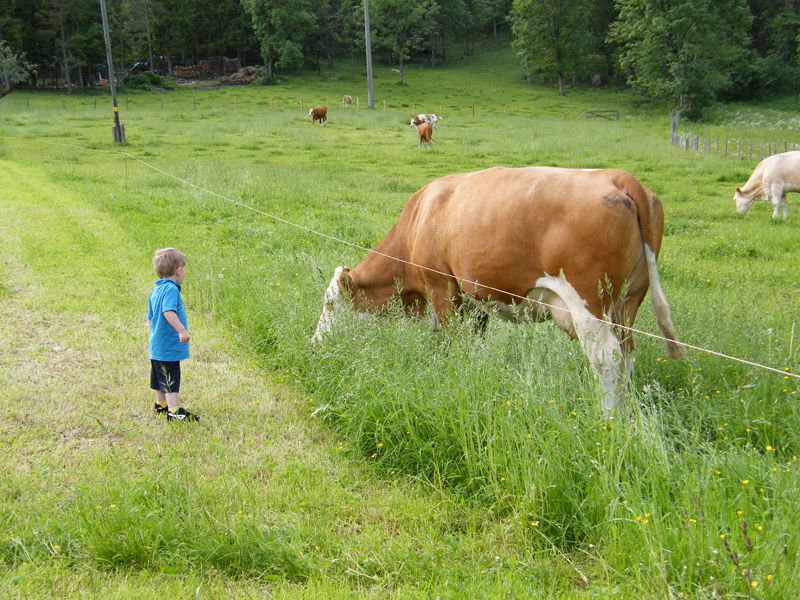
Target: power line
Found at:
321, 234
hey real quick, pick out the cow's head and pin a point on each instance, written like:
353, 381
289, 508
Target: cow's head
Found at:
743, 203
336, 299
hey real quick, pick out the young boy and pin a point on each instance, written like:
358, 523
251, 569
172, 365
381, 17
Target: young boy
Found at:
169, 336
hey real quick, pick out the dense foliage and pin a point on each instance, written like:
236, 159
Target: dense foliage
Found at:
689, 52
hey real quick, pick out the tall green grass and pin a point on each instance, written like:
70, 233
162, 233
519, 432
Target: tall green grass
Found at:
691, 492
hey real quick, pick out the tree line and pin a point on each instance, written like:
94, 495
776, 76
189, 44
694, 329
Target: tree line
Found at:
689, 52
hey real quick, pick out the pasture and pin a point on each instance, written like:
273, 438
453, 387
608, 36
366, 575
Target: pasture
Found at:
392, 461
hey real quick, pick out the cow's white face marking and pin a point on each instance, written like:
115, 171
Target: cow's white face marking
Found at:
334, 303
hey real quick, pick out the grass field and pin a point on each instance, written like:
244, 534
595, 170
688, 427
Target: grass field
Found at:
393, 461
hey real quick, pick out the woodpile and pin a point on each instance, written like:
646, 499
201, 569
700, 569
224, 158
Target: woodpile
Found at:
243, 76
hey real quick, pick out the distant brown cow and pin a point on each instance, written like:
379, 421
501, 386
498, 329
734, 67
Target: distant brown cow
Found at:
319, 113
347, 100
425, 131
577, 246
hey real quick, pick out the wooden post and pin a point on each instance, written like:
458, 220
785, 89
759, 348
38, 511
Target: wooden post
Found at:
270, 102
384, 106
356, 102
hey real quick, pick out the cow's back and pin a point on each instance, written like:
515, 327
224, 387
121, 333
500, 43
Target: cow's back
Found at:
505, 227
781, 167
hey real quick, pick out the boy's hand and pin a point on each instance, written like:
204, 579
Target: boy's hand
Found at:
183, 336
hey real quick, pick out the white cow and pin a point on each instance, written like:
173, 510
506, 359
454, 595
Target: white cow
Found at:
772, 178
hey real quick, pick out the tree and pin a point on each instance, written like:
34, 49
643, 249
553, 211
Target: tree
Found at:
551, 35
401, 26
13, 69
284, 28
685, 51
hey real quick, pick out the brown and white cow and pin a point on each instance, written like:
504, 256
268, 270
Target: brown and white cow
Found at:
319, 113
525, 244
772, 178
430, 119
425, 132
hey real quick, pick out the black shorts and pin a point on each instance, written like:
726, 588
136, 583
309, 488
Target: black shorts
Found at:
165, 376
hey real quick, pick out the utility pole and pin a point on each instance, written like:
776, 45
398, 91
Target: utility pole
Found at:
368, 40
119, 130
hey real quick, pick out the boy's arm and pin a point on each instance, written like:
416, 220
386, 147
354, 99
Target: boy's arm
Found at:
172, 318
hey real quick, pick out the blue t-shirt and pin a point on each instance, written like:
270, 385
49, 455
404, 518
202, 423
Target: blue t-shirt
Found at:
165, 344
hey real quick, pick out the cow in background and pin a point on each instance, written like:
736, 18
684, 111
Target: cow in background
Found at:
772, 178
319, 113
347, 100
425, 132
430, 119
523, 244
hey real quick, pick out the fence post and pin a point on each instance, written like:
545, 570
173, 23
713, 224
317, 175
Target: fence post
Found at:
270, 102
301, 104
384, 106
356, 102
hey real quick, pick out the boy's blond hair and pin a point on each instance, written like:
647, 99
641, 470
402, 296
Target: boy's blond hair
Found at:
167, 260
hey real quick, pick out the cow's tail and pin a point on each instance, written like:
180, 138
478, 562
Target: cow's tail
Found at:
651, 223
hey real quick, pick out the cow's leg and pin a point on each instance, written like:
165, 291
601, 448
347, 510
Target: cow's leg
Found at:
473, 310
775, 193
596, 338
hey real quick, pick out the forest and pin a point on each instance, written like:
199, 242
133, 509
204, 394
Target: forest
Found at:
690, 53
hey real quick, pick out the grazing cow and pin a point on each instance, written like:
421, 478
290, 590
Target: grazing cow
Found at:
419, 119
347, 100
319, 113
425, 131
772, 178
525, 244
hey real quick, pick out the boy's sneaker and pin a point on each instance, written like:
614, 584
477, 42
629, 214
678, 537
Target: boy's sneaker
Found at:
182, 415
159, 410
